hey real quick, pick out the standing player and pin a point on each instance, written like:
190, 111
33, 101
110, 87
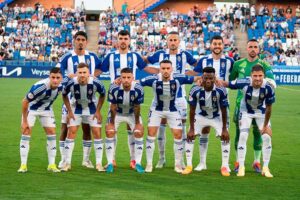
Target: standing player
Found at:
242, 69
212, 102
256, 104
179, 59
125, 100
68, 65
123, 58
38, 104
223, 66
86, 108
165, 88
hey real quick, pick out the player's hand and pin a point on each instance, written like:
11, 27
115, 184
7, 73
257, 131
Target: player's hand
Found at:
117, 81
98, 116
25, 127
191, 135
225, 135
138, 129
71, 75
199, 81
70, 116
219, 83
267, 130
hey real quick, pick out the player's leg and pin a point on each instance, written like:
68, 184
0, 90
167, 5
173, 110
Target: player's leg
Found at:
130, 141
138, 146
25, 142
266, 147
203, 146
154, 120
161, 141
182, 107
98, 142
237, 135
245, 123
257, 146
115, 140
175, 123
86, 145
70, 140
63, 135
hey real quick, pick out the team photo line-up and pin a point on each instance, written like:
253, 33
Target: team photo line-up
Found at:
77, 78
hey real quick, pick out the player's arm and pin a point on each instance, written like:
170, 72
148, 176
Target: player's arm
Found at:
25, 127
104, 66
234, 72
191, 133
151, 70
223, 102
113, 112
197, 68
270, 99
142, 65
269, 75
236, 84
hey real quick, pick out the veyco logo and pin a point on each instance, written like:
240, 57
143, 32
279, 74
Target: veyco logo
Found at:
4, 71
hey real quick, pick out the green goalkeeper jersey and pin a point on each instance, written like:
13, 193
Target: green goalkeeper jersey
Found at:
242, 69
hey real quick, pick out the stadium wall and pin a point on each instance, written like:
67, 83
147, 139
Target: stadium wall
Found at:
46, 3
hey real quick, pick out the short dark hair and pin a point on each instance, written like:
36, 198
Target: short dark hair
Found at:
165, 62
55, 70
257, 68
252, 40
124, 33
209, 70
82, 65
126, 70
216, 37
80, 33
173, 33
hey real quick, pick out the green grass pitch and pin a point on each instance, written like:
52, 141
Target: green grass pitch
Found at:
82, 183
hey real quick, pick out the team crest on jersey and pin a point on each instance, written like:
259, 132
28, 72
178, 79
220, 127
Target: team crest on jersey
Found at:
178, 58
88, 62
223, 65
214, 98
132, 97
129, 59
30, 95
262, 95
90, 92
173, 86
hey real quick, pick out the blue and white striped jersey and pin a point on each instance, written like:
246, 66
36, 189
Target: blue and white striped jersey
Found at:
209, 102
165, 93
254, 100
179, 62
223, 66
115, 61
68, 63
85, 100
126, 100
41, 96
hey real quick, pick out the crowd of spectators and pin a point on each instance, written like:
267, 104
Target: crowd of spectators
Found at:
36, 33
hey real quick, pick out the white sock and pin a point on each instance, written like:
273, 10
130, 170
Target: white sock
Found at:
24, 148
131, 144
178, 148
98, 145
225, 148
62, 149
189, 149
69, 146
139, 145
266, 149
242, 148
150, 146
87, 147
203, 148
51, 148
110, 148
161, 141
115, 146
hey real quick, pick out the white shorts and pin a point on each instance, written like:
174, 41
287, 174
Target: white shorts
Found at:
246, 121
46, 118
202, 122
181, 105
64, 114
173, 118
86, 119
129, 119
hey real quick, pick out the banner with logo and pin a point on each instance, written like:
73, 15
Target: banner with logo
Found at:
284, 75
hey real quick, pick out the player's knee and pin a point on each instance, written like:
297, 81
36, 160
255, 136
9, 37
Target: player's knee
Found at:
205, 130
138, 134
163, 121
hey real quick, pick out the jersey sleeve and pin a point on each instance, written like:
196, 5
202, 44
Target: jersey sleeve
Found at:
63, 64
104, 66
183, 79
270, 97
199, 66
35, 92
190, 59
100, 87
154, 58
97, 62
111, 94
239, 83
67, 87
193, 95
223, 101
148, 81
140, 95
234, 72
140, 62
